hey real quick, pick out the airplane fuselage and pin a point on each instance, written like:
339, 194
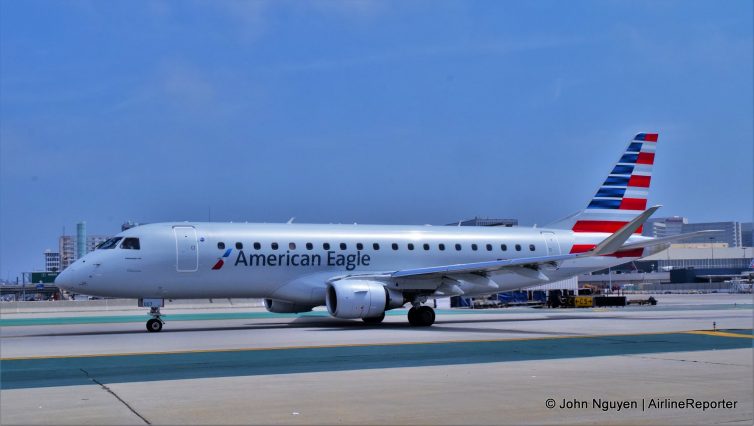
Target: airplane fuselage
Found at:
292, 262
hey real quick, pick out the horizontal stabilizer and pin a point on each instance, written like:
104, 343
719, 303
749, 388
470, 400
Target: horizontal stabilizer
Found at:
667, 240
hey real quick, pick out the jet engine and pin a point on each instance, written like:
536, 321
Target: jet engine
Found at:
350, 299
283, 307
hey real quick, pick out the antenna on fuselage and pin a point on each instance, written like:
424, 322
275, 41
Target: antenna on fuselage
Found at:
291, 220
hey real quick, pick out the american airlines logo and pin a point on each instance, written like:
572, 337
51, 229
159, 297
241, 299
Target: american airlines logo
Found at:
220, 261
329, 258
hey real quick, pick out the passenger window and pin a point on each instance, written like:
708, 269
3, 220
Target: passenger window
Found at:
489, 247
518, 247
458, 247
426, 246
531, 247
274, 246
221, 246
410, 246
326, 246
441, 246
503, 247
309, 246
257, 246
474, 247
359, 246
343, 246
292, 246
239, 246
130, 244
395, 246
376, 246
110, 244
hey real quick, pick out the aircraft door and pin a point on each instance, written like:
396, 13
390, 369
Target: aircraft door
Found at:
551, 241
186, 249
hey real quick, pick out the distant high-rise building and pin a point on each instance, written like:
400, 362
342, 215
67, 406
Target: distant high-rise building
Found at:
67, 250
664, 226
80, 239
747, 234
52, 261
730, 233
668, 226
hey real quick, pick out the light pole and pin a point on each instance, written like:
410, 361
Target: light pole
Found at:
712, 263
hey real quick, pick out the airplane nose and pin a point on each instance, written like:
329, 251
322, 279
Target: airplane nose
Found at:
66, 279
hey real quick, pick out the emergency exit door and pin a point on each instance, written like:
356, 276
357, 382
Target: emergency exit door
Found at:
186, 250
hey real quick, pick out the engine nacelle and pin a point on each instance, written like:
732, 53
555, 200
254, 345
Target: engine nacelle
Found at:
283, 307
350, 299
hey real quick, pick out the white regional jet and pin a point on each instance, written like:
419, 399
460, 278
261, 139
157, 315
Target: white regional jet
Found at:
361, 271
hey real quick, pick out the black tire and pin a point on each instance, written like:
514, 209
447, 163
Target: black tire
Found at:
374, 320
154, 325
425, 316
412, 317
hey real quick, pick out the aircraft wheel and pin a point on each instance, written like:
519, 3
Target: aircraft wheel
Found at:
412, 317
425, 316
374, 320
154, 325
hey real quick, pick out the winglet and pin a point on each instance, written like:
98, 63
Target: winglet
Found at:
614, 242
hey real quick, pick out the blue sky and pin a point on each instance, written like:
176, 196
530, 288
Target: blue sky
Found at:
372, 112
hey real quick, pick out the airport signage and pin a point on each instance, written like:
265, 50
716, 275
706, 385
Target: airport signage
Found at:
43, 277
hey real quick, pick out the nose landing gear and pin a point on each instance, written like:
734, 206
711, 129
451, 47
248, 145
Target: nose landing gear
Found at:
155, 324
154, 305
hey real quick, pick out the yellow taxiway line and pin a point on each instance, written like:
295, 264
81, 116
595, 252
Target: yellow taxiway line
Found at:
722, 334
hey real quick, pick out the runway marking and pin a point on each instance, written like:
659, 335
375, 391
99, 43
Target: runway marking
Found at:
722, 334
358, 345
67, 371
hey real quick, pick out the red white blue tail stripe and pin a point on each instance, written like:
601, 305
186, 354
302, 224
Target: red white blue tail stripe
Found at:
623, 194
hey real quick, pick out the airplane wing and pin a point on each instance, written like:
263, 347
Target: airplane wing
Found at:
489, 266
609, 245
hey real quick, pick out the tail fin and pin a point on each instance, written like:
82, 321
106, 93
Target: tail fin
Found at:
623, 195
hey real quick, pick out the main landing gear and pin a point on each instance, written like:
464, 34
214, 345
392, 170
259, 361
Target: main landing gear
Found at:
154, 324
421, 316
418, 316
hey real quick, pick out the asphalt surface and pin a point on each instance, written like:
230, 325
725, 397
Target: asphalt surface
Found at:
499, 366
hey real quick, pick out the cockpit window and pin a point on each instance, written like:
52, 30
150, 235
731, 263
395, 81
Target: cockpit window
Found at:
109, 244
130, 244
